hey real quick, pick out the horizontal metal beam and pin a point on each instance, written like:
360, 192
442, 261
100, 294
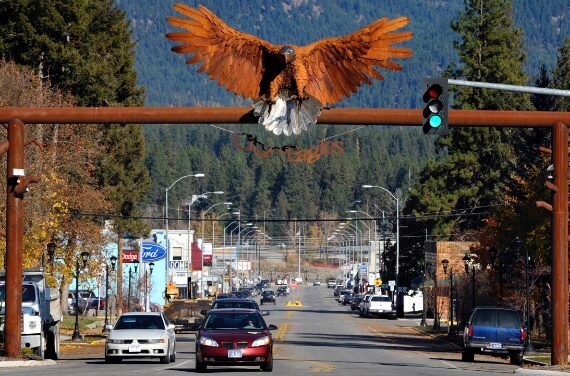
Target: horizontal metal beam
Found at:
244, 115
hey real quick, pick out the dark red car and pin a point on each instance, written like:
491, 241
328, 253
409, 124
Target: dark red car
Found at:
234, 337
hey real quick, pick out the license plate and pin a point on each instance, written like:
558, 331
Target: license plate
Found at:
135, 348
494, 345
234, 353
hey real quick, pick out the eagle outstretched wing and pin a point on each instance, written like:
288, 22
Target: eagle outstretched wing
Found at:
337, 67
241, 62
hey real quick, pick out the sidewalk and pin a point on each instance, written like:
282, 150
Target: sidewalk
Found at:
539, 369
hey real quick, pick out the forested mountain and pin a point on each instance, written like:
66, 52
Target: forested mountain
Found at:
389, 157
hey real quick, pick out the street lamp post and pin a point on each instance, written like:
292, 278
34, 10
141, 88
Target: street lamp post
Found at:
424, 295
199, 175
136, 262
113, 263
516, 245
76, 336
469, 262
203, 226
147, 282
445, 263
399, 308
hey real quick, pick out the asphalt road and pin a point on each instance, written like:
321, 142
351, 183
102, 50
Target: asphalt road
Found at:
316, 335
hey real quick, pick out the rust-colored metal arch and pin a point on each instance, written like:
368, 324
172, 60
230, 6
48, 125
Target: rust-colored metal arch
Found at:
15, 118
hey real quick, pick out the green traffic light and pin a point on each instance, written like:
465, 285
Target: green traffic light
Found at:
435, 121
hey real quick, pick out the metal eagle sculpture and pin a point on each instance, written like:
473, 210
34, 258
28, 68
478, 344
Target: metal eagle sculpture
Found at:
289, 84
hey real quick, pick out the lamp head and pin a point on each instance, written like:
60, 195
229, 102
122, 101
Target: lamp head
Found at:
516, 244
51, 251
113, 262
445, 263
84, 257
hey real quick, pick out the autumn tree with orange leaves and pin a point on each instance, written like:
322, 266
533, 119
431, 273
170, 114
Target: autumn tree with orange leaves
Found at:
67, 185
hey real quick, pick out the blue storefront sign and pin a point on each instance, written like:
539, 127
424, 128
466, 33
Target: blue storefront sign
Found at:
152, 252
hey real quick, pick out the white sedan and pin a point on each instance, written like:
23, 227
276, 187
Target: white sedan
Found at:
141, 335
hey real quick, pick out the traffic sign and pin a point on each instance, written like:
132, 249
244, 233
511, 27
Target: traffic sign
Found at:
378, 282
293, 284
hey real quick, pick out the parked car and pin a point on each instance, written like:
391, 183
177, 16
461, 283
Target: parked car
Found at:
494, 331
85, 297
331, 283
141, 335
342, 294
338, 289
379, 305
97, 304
316, 283
234, 337
355, 304
267, 296
234, 303
282, 290
348, 298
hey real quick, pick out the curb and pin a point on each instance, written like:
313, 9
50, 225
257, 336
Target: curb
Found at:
26, 363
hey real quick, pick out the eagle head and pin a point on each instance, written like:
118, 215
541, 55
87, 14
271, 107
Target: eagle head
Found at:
288, 54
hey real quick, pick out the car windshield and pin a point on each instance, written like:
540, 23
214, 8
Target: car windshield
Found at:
228, 304
219, 321
139, 322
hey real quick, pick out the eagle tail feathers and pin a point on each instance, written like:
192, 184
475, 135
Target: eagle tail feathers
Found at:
287, 115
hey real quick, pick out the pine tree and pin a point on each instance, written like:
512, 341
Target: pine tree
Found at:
475, 163
561, 75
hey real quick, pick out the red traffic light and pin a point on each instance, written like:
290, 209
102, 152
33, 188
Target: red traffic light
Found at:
434, 91
435, 109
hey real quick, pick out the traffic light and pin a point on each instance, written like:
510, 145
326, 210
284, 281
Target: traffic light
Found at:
436, 107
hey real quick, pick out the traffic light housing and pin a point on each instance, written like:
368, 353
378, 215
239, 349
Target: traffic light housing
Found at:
436, 106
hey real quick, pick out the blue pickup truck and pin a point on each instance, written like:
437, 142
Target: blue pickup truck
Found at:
494, 331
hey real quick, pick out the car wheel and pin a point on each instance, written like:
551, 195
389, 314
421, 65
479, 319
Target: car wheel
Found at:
200, 367
467, 355
261, 302
166, 359
516, 357
274, 302
173, 355
267, 367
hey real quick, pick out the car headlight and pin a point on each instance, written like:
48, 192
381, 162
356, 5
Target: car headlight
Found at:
115, 341
156, 340
205, 341
260, 342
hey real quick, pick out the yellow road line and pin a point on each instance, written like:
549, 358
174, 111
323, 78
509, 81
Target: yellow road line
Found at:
280, 333
320, 367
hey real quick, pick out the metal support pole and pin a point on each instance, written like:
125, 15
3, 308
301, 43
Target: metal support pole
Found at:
14, 240
559, 283
473, 286
129, 297
528, 348
105, 329
451, 332
76, 336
